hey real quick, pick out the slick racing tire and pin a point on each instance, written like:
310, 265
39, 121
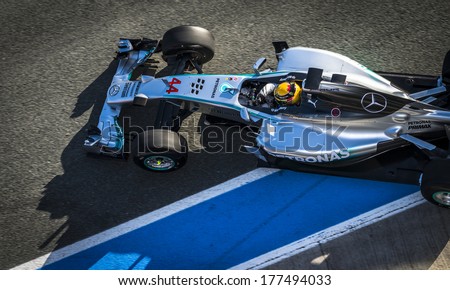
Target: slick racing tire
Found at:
160, 150
194, 40
435, 185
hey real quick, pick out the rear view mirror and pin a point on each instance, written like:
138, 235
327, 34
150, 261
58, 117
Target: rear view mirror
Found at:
258, 64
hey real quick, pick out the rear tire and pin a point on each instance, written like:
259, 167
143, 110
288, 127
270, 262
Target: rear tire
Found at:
160, 150
186, 39
435, 185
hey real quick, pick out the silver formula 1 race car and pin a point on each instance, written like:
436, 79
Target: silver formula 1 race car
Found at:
351, 121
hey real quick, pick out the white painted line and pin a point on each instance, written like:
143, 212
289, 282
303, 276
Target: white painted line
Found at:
332, 233
147, 219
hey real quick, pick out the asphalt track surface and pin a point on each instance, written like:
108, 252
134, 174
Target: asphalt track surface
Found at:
57, 63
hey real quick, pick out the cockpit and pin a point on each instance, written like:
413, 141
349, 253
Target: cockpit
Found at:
249, 95
327, 96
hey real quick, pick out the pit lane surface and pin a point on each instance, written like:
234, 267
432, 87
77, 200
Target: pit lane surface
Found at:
235, 224
56, 67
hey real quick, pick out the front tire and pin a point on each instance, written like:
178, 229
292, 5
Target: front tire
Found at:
186, 39
160, 150
435, 185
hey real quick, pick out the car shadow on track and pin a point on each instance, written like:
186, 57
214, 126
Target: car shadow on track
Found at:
96, 193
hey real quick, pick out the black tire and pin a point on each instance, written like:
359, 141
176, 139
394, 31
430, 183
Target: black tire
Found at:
160, 150
435, 185
195, 40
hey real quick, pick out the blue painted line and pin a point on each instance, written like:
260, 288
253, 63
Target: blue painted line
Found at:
241, 224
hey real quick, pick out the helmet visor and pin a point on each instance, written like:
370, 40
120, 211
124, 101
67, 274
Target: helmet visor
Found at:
288, 95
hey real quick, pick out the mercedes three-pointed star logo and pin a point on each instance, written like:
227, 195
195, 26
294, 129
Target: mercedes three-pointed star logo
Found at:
373, 103
113, 90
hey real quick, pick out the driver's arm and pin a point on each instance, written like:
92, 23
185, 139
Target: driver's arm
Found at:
266, 93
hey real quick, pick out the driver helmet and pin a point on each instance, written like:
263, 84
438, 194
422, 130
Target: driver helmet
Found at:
288, 93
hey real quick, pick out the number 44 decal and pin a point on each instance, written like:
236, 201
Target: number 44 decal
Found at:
172, 88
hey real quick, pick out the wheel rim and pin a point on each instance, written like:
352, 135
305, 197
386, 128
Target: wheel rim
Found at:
159, 163
442, 197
